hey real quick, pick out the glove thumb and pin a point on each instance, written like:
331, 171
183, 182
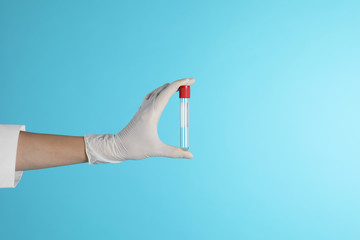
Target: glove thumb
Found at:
175, 152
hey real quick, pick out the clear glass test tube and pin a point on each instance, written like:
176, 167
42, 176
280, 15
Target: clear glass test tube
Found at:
184, 123
184, 94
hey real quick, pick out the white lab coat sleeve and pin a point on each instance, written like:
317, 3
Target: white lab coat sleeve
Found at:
9, 136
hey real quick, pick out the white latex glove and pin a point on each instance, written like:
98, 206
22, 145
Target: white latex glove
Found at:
139, 139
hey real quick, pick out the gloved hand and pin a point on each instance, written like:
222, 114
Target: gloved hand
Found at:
139, 139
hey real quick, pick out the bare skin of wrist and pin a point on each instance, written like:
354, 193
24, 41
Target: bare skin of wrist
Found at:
36, 151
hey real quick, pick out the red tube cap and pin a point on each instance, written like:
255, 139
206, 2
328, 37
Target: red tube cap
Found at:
184, 91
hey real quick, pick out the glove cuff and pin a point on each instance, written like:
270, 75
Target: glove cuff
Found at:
102, 148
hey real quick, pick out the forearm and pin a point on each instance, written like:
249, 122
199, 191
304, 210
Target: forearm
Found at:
37, 151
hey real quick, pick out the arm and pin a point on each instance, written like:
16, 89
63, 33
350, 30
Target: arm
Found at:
138, 140
37, 151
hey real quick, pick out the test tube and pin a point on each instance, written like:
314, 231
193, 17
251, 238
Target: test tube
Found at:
184, 95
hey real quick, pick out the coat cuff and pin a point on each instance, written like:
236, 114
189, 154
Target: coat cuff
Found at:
9, 136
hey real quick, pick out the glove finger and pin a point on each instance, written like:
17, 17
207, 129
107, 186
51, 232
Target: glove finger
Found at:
153, 91
145, 99
151, 94
175, 152
165, 95
157, 91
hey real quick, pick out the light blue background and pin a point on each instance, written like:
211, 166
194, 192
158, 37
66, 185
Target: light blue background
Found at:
274, 121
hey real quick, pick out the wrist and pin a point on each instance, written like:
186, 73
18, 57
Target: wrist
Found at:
103, 148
